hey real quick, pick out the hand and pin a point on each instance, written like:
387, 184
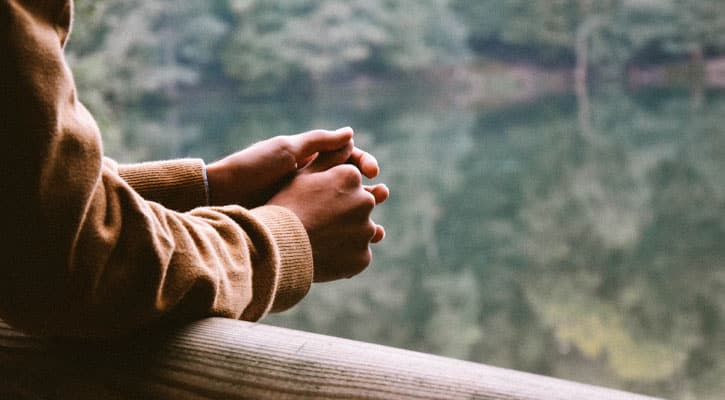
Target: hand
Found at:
250, 177
334, 207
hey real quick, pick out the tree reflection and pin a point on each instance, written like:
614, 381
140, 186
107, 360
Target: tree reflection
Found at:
513, 240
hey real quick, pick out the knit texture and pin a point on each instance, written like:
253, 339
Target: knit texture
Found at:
178, 184
295, 281
92, 248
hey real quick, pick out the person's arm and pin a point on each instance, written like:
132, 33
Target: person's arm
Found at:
85, 254
180, 185
248, 178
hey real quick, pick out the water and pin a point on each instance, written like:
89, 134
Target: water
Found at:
515, 237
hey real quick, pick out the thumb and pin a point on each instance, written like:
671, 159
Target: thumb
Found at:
329, 159
306, 145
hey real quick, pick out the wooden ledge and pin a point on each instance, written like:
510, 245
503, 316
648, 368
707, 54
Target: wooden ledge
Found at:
226, 359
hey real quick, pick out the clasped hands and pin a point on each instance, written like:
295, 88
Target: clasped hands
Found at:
318, 176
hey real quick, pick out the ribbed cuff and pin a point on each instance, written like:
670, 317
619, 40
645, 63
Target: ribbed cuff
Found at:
177, 184
295, 255
206, 184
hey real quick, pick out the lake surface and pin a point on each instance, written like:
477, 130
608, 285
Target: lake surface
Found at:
516, 235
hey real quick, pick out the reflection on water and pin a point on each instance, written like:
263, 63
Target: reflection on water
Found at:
516, 240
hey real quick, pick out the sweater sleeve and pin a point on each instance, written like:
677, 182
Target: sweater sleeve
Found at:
177, 184
86, 254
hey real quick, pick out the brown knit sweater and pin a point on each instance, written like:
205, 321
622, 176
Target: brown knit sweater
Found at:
92, 248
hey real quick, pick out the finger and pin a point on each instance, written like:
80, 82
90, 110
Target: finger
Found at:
365, 161
306, 145
306, 161
379, 234
329, 159
379, 191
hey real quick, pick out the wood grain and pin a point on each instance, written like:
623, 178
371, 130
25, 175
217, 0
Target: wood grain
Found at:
226, 359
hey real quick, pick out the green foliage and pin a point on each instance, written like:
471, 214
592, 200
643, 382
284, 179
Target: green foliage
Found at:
277, 43
513, 239
125, 53
699, 24
128, 50
551, 26
516, 242
620, 30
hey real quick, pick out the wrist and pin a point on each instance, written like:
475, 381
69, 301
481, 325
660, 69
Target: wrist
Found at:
205, 175
214, 182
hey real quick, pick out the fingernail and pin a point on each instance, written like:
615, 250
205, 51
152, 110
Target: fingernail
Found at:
347, 128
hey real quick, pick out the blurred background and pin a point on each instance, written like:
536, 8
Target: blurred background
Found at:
556, 167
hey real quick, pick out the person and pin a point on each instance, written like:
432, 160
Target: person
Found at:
94, 248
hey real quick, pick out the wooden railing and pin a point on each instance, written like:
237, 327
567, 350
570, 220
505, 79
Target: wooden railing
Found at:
225, 359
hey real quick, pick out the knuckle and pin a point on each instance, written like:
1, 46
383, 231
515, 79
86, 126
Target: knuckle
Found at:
365, 203
350, 175
369, 201
369, 230
285, 148
282, 142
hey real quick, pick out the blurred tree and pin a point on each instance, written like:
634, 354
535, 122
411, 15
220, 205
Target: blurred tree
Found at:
513, 238
617, 32
546, 30
127, 53
596, 263
277, 43
127, 49
699, 26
